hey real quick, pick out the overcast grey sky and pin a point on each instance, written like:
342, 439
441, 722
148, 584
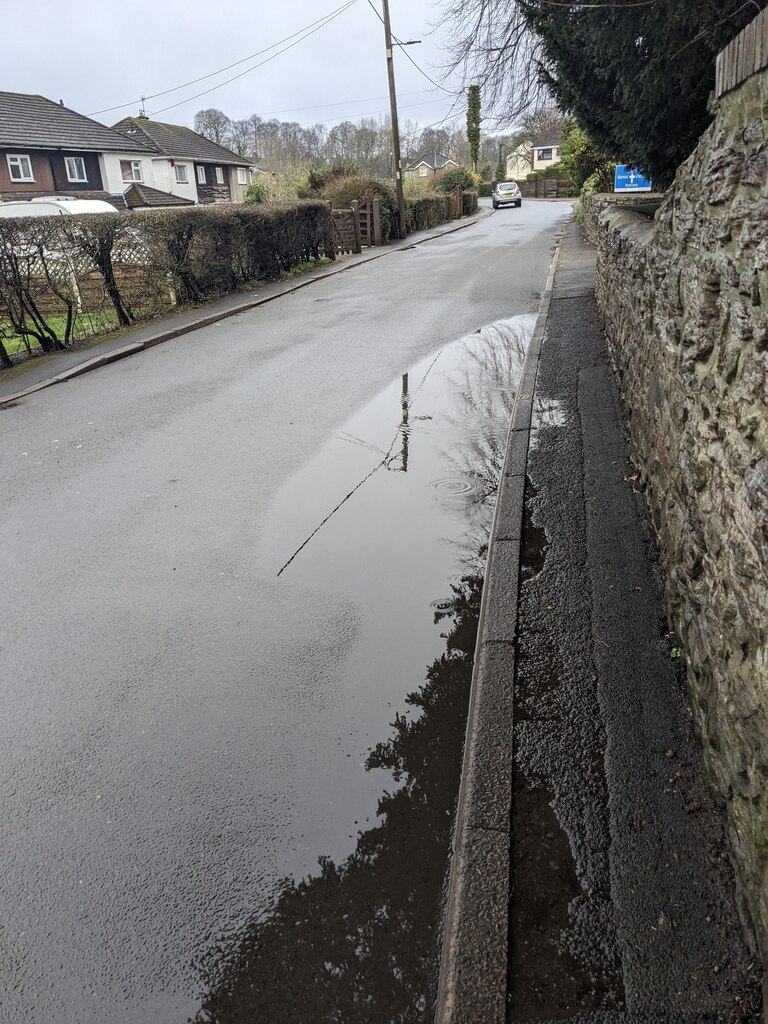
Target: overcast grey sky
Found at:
100, 53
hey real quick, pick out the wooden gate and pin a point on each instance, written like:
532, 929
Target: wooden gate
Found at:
370, 222
356, 227
346, 230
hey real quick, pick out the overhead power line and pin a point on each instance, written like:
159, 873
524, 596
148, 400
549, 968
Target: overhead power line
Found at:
410, 58
307, 34
320, 23
338, 103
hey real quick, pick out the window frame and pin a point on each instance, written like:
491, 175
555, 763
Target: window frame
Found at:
219, 172
542, 157
242, 175
201, 177
132, 164
181, 167
76, 179
14, 160
423, 171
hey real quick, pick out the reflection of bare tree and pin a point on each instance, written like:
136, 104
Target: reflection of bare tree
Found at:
359, 941
486, 389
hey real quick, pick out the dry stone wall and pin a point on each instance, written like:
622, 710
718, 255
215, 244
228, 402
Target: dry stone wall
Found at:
684, 300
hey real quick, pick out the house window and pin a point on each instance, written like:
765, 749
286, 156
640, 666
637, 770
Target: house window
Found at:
422, 172
219, 176
201, 175
545, 154
19, 167
75, 166
182, 177
131, 170
242, 175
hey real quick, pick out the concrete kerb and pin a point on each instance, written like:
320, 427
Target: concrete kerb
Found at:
473, 968
207, 320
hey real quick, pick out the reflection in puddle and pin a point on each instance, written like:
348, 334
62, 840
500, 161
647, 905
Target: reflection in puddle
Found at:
547, 413
394, 511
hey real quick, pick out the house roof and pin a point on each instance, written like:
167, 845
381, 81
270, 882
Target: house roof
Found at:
34, 122
433, 160
176, 141
545, 142
139, 195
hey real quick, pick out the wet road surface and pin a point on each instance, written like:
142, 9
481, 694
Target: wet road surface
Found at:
227, 564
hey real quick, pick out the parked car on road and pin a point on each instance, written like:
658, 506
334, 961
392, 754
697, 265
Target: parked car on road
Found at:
506, 192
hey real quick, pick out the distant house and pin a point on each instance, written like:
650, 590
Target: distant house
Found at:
430, 165
546, 151
46, 149
533, 155
519, 162
186, 163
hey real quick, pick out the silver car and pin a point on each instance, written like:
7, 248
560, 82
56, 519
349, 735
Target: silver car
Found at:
506, 192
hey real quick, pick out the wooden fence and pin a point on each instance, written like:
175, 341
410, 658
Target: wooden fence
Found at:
743, 56
549, 188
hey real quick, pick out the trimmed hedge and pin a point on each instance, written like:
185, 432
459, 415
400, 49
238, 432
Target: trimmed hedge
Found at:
469, 203
56, 272
428, 211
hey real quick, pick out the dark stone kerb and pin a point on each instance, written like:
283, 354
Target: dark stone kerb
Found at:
473, 971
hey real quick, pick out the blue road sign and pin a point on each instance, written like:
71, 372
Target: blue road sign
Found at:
629, 179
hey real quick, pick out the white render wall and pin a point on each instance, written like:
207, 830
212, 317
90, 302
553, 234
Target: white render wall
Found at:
165, 178
157, 172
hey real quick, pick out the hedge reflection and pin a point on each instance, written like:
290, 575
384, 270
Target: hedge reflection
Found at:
358, 942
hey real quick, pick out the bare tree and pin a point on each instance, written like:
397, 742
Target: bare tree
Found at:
213, 124
492, 46
240, 137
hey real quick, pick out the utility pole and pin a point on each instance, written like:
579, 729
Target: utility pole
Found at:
395, 129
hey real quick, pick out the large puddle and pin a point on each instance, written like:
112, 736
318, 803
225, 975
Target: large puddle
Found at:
394, 513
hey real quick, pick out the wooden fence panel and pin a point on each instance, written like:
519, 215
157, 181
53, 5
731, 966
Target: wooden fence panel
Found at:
743, 56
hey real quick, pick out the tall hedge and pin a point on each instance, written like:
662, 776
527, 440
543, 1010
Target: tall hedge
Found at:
117, 269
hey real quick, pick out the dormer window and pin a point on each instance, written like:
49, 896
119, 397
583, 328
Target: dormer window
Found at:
19, 167
131, 170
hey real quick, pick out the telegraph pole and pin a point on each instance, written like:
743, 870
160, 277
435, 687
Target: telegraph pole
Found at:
395, 129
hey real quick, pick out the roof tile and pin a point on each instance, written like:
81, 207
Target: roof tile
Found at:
34, 122
174, 140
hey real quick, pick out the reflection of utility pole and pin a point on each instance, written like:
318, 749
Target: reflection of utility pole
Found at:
405, 430
395, 129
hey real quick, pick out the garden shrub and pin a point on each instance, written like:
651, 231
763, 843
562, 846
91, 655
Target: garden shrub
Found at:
457, 177
345, 190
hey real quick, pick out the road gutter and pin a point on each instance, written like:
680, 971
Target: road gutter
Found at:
473, 969
211, 318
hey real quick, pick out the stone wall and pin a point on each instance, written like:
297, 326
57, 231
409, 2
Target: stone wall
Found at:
684, 300
593, 204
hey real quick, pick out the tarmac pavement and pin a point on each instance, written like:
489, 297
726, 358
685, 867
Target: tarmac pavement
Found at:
611, 898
